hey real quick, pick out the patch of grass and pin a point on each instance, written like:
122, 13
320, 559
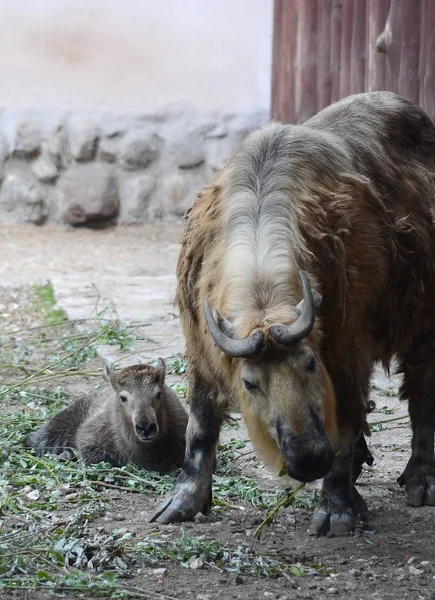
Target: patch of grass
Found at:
44, 299
176, 365
240, 559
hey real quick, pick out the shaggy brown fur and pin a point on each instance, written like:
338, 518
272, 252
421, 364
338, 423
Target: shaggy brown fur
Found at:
141, 421
349, 198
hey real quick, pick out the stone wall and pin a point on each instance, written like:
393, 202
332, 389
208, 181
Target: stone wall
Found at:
84, 169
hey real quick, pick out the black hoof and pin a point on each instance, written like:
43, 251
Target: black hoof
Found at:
183, 503
335, 518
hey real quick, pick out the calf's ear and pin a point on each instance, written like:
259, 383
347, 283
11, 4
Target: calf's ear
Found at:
161, 367
111, 377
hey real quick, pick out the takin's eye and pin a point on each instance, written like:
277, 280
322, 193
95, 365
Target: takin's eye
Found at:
311, 365
159, 395
123, 397
251, 387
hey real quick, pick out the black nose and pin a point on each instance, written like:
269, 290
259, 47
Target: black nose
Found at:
146, 431
308, 456
310, 465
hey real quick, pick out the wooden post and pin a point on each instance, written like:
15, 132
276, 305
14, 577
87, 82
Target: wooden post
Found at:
346, 44
283, 61
358, 47
335, 54
376, 66
427, 58
306, 60
400, 42
324, 66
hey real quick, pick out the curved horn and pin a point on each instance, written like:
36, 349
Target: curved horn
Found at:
250, 346
290, 334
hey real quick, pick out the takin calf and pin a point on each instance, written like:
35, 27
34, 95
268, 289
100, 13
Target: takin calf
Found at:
141, 422
310, 258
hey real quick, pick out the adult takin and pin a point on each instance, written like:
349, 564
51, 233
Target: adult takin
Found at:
310, 258
140, 421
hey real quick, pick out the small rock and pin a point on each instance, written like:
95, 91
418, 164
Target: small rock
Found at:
160, 573
410, 560
33, 495
268, 594
83, 137
196, 564
414, 571
425, 563
401, 577
139, 148
44, 168
89, 193
332, 590
72, 496
238, 580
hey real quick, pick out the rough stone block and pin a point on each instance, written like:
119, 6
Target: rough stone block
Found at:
220, 131
219, 150
55, 146
109, 149
89, 193
23, 197
4, 153
83, 139
139, 148
44, 168
28, 138
135, 195
189, 152
178, 192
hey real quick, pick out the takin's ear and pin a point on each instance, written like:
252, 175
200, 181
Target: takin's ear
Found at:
224, 325
317, 301
161, 367
111, 377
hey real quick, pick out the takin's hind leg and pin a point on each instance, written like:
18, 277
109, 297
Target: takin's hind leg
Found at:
193, 491
419, 389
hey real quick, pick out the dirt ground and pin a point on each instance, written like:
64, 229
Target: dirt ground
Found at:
394, 559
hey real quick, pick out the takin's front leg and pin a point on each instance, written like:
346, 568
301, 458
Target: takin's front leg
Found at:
340, 505
193, 491
419, 389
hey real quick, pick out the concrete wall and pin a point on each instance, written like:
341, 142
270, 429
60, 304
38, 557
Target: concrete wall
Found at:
135, 55
123, 109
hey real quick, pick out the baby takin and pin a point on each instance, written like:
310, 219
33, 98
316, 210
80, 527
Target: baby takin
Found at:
140, 420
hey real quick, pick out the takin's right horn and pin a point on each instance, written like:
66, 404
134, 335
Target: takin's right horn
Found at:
249, 346
295, 332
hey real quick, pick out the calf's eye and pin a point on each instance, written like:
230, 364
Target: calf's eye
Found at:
123, 397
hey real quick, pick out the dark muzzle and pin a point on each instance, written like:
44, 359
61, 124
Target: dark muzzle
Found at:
307, 456
147, 431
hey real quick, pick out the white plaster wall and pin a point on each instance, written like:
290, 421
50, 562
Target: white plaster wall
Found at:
135, 55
